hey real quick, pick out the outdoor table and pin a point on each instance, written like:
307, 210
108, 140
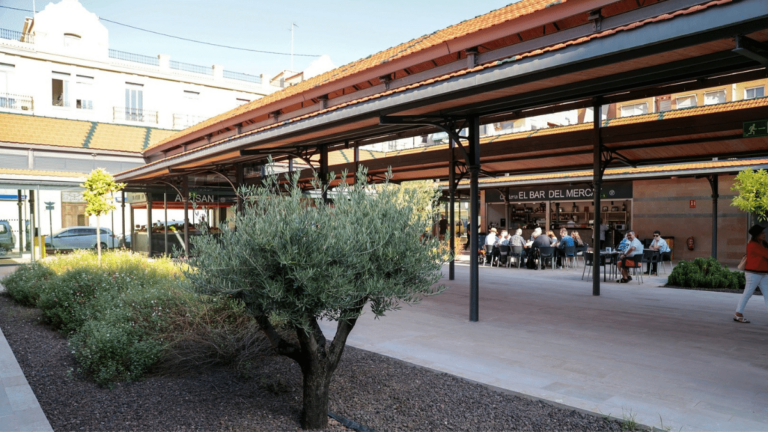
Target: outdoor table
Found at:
603, 258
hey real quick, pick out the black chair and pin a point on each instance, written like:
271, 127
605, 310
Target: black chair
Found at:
569, 254
488, 255
664, 257
589, 263
516, 252
547, 253
503, 255
580, 250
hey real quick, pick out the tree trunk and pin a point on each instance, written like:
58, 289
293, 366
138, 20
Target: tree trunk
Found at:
314, 412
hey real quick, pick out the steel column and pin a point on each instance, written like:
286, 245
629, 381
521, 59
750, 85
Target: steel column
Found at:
32, 224
122, 206
133, 232
185, 192
324, 170
239, 180
21, 226
451, 211
356, 152
714, 184
165, 216
597, 181
149, 224
474, 203
506, 210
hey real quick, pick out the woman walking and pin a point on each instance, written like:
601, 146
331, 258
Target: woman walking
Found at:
756, 270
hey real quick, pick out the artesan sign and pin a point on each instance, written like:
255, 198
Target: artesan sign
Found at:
615, 190
199, 198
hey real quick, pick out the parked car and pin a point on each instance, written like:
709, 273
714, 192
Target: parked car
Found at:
7, 238
81, 237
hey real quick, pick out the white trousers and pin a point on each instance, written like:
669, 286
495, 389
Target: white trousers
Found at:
753, 281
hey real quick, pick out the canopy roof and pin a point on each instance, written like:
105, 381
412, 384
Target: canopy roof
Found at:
519, 61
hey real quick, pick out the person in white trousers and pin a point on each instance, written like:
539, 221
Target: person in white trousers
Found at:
755, 270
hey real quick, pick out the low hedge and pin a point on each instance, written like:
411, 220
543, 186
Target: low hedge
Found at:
124, 316
705, 273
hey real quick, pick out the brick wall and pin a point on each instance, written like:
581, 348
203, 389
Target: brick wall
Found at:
664, 205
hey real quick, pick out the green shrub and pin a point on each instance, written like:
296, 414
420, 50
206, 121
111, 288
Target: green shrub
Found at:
67, 300
114, 351
24, 284
705, 273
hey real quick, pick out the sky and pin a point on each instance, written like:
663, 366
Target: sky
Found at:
346, 30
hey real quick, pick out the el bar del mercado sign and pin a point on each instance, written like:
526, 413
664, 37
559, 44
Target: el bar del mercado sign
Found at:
615, 190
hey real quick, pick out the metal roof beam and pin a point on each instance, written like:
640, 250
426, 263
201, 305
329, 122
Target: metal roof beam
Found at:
752, 49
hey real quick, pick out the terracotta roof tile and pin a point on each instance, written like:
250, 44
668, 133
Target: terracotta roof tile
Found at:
38, 173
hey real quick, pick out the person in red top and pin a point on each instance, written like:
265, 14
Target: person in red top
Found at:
756, 270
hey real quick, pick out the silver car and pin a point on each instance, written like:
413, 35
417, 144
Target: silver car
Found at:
81, 237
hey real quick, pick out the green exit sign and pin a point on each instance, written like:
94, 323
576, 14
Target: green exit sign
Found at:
755, 128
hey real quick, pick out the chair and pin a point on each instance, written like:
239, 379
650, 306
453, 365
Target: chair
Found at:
488, 255
569, 254
517, 253
589, 263
664, 257
503, 255
547, 253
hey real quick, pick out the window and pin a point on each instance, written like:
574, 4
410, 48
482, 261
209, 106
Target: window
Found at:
60, 87
665, 105
71, 40
754, 92
3, 229
134, 102
686, 101
715, 97
104, 232
84, 92
632, 110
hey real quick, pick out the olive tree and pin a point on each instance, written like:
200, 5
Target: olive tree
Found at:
295, 260
99, 185
753, 193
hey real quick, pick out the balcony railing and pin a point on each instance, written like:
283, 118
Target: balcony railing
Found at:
183, 121
134, 115
136, 58
186, 67
242, 77
16, 35
13, 102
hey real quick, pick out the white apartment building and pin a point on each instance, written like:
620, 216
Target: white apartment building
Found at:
69, 104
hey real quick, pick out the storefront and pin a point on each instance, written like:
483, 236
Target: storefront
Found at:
163, 231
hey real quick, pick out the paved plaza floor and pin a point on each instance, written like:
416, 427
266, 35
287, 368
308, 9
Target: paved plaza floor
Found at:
658, 354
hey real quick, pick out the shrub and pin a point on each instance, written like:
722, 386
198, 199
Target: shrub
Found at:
66, 300
24, 285
705, 273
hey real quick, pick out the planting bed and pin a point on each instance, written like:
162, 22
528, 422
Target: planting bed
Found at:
265, 395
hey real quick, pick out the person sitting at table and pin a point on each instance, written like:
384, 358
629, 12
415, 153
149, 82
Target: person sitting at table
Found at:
624, 245
660, 245
577, 239
535, 233
565, 241
503, 239
518, 240
630, 257
490, 240
552, 238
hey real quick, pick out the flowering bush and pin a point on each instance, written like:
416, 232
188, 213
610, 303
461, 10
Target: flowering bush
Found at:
24, 285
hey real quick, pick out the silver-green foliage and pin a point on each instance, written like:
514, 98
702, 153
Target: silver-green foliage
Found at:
296, 260
300, 259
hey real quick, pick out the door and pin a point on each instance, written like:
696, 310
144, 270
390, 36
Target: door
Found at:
73, 214
134, 102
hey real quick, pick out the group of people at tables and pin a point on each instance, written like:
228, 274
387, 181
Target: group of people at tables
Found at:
630, 249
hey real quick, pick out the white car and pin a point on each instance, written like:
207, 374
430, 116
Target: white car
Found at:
81, 237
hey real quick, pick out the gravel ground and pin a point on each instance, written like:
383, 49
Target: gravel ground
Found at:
376, 391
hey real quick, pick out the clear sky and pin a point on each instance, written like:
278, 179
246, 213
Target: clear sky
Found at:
346, 30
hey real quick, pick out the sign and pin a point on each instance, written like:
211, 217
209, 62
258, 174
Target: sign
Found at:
755, 128
580, 192
72, 197
692, 204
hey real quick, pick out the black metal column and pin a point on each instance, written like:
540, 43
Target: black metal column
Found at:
21, 225
324, 170
32, 230
239, 179
714, 184
597, 181
185, 192
474, 203
165, 216
451, 211
122, 207
506, 210
149, 224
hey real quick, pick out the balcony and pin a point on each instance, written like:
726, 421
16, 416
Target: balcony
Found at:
123, 114
242, 77
136, 58
187, 67
16, 36
13, 102
183, 121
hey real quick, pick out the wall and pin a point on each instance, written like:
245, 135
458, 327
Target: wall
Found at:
664, 205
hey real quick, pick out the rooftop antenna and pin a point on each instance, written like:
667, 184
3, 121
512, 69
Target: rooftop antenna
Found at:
292, 27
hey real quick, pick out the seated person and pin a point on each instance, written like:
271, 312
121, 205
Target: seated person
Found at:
552, 238
504, 239
630, 257
565, 241
518, 240
577, 239
535, 233
624, 245
490, 240
540, 240
658, 244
